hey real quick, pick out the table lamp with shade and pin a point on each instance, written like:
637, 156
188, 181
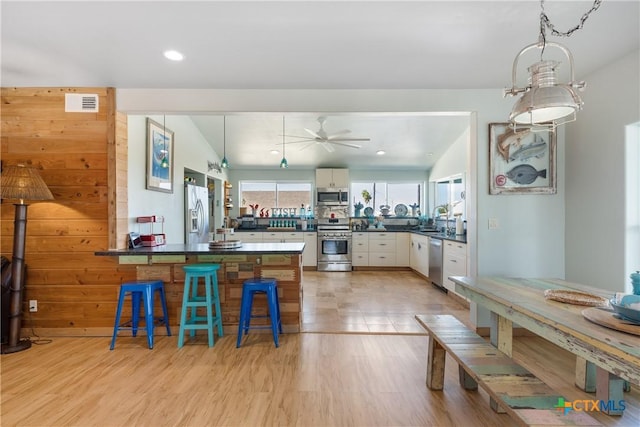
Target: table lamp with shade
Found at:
22, 184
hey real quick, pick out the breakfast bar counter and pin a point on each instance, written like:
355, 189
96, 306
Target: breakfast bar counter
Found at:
282, 261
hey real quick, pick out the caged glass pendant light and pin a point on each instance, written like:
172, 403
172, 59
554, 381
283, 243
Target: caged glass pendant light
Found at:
225, 163
283, 162
545, 103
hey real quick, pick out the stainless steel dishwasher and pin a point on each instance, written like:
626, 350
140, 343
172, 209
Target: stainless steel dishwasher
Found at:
435, 262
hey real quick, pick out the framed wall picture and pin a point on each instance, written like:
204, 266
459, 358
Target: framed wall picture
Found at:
521, 162
159, 157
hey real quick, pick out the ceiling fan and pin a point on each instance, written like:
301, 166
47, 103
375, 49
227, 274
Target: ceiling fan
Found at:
326, 140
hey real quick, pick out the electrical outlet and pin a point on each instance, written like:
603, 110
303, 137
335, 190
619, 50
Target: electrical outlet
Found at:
493, 224
33, 305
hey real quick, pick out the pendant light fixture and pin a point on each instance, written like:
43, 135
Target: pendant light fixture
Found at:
164, 163
225, 163
545, 103
283, 162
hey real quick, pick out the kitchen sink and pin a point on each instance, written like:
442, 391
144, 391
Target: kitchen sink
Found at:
429, 230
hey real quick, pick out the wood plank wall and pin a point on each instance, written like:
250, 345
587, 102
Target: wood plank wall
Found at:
76, 290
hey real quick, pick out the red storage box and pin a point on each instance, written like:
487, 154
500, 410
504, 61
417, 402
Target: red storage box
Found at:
153, 239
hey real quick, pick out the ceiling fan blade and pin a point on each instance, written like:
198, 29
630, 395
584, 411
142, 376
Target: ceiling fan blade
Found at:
328, 147
346, 144
349, 139
297, 142
295, 136
336, 134
314, 134
308, 145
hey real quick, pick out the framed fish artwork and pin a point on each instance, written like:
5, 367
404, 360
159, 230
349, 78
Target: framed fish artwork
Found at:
522, 161
159, 157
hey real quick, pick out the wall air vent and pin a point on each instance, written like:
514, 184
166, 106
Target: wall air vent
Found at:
80, 103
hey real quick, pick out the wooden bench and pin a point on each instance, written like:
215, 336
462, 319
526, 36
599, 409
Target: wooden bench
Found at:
511, 388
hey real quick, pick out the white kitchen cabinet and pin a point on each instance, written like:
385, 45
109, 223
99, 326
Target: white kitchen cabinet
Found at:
249, 236
382, 249
272, 236
310, 254
332, 178
403, 247
419, 254
360, 249
292, 236
454, 262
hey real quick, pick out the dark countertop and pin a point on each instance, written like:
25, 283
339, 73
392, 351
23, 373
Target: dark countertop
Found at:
443, 236
203, 248
435, 235
439, 235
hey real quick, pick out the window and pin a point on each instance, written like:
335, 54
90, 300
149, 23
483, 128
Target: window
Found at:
389, 194
270, 195
450, 195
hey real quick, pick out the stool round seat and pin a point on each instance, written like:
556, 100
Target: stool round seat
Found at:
251, 287
142, 294
192, 299
200, 268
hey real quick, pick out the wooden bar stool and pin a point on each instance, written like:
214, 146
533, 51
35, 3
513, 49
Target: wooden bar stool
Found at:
142, 295
250, 288
192, 300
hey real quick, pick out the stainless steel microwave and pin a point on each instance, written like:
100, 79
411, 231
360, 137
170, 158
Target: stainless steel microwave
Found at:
332, 196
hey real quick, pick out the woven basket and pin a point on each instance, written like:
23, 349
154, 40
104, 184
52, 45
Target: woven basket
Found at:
575, 297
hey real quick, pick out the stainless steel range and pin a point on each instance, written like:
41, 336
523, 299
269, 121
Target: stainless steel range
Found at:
334, 244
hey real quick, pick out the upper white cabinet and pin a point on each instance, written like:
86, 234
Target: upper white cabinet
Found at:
332, 178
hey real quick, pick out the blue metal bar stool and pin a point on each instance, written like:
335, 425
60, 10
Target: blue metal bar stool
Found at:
250, 288
142, 295
192, 300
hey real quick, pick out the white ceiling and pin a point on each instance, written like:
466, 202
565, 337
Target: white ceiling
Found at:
303, 45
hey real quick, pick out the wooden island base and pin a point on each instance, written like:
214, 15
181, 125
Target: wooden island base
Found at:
279, 261
286, 269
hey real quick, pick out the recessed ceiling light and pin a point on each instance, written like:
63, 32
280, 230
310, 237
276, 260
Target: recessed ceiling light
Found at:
274, 152
381, 152
429, 154
173, 55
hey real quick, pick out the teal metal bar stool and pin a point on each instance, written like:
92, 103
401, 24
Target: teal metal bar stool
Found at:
250, 288
208, 301
142, 295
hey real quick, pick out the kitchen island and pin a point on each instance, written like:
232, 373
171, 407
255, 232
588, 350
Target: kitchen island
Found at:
283, 261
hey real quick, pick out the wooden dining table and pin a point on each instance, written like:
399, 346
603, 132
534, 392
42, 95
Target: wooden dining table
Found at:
613, 355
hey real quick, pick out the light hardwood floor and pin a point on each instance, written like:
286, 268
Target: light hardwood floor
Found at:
324, 378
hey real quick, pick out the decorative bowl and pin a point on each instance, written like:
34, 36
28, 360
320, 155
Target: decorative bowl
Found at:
626, 312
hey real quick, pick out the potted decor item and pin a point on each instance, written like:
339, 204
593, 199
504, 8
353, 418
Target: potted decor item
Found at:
358, 207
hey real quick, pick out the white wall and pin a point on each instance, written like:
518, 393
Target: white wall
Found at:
595, 176
454, 160
191, 150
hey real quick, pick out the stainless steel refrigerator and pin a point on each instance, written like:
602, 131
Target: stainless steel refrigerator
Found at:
196, 215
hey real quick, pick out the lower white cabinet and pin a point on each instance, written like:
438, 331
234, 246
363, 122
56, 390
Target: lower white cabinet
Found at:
382, 249
272, 236
360, 249
249, 236
419, 254
454, 262
310, 254
403, 249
